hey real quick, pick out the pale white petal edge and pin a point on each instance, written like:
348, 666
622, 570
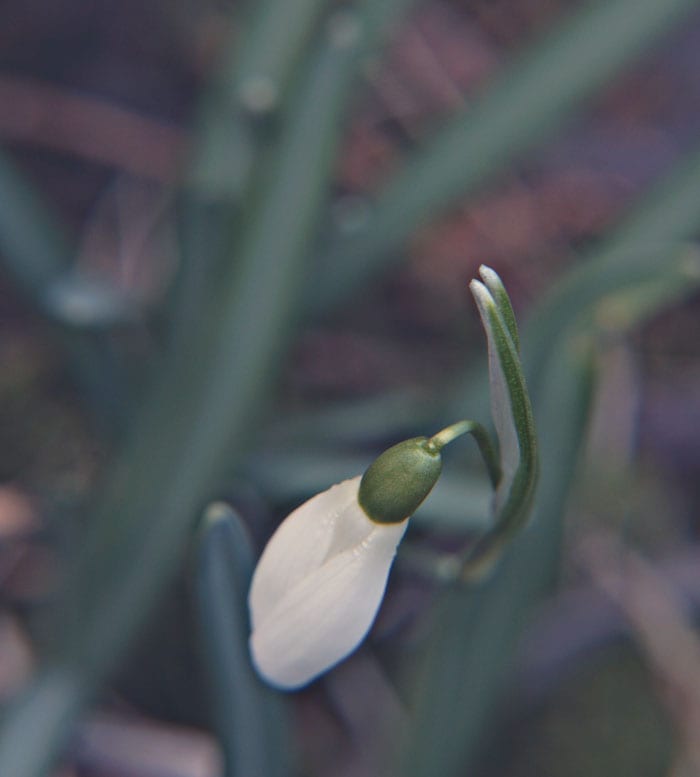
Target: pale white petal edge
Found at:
323, 618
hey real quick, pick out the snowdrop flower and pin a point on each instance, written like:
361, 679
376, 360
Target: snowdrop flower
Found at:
321, 578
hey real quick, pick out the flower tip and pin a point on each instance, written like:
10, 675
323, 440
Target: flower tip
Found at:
482, 296
489, 275
275, 674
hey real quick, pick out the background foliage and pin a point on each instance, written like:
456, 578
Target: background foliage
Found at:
235, 244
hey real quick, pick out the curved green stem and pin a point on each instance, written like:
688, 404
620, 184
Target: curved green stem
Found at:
483, 440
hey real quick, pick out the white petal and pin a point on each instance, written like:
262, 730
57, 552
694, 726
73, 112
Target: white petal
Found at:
300, 545
325, 615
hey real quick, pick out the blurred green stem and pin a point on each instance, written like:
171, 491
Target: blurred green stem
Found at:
526, 103
474, 631
482, 439
634, 253
37, 253
235, 137
33, 243
246, 713
200, 413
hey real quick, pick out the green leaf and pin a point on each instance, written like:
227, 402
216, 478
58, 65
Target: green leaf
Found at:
36, 253
37, 722
201, 412
628, 308
34, 247
249, 717
635, 252
236, 146
257, 69
657, 224
512, 416
521, 109
474, 631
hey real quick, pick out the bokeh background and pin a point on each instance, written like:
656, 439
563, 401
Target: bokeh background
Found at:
135, 159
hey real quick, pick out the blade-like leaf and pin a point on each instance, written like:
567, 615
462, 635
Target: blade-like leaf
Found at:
474, 631
199, 415
248, 716
512, 416
521, 109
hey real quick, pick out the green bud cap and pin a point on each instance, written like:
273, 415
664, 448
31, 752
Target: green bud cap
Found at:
397, 482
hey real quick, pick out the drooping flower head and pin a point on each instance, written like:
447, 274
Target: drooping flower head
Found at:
321, 578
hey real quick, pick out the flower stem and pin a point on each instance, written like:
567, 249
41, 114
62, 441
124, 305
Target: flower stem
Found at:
445, 436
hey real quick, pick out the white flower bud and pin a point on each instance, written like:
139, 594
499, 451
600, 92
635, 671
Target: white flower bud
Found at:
318, 586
